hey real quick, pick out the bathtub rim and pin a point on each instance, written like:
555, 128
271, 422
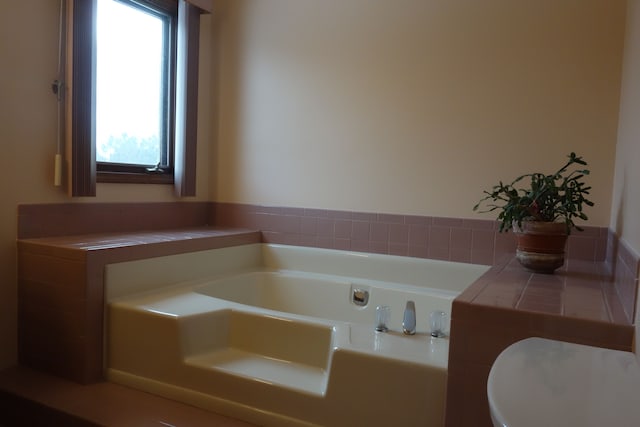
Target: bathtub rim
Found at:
119, 280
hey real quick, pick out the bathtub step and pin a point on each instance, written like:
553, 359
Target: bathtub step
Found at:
288, 374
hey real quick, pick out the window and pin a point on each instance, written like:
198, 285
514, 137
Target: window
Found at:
134, 87
133, 92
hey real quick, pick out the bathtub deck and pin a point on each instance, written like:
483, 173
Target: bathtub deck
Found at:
262, 368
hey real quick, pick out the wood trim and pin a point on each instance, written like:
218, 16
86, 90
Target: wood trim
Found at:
83, 166
134, 178
205, 5
187, 95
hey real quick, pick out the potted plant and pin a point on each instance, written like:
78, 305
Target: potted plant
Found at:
541, 210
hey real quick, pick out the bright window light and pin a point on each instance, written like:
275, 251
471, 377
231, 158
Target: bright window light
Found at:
131, 91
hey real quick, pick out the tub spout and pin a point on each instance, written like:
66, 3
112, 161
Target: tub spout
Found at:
409, 319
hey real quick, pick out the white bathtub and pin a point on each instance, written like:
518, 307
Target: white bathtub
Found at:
271, 334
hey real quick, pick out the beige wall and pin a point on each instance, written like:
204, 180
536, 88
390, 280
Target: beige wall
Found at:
625, 209
413, 106
28, 57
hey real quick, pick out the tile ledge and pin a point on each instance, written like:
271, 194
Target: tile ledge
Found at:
506, 283
37, 397
111, 240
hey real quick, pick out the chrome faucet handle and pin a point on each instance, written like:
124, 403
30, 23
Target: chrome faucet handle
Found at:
383, 313
409, 319
437, 319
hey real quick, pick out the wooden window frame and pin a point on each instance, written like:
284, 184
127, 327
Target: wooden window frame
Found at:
83, 169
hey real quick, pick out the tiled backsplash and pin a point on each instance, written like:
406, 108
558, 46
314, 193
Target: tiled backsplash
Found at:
624, 265
64, 219
474, 241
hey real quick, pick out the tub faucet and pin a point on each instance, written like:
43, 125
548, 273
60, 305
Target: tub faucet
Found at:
409, 319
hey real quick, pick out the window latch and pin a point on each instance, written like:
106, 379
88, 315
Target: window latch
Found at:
156, 169
56, 88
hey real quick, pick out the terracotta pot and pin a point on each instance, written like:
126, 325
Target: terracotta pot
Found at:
541, 245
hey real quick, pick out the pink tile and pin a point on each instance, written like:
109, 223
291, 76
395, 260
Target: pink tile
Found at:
325, 227
360, 245
290, 211
540, 305
461, 238
614, 305
416, 219
629, 257
447, 222
289, 224
418, 251
339, 214
325, 242
262, 221
342, 244
547, 283
379, 232
279, 238
309, 241
318, 213
588, 231
309, 226
587, 303
482, 258
364, 216
439, 252
418, 235
399, 234
460, 254
42, 220
361, 230
379, 247
626, 289
342, 229
506, 297
505, 243
391, 218
581, 247
483, 240
398, 249
601, 249
479, 224
439, 237
271, 210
